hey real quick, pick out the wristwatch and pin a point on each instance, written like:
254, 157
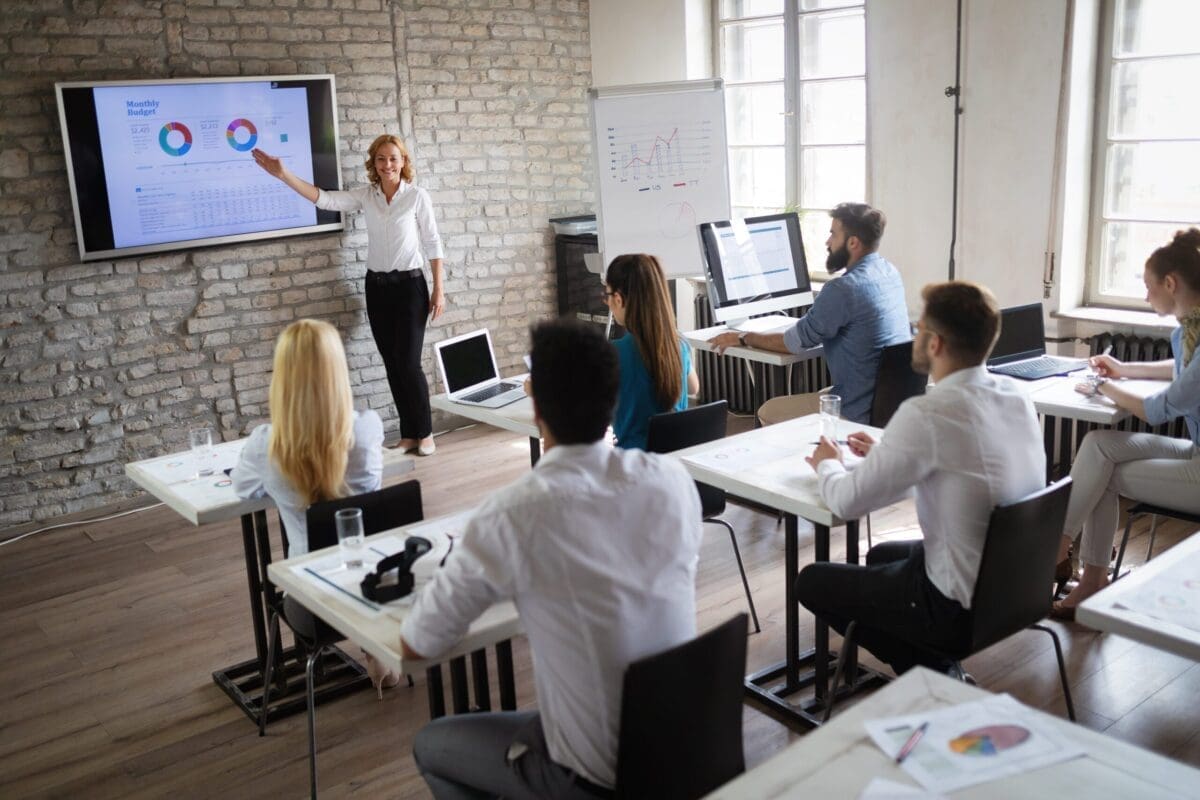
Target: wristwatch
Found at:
742, 339
1096, 383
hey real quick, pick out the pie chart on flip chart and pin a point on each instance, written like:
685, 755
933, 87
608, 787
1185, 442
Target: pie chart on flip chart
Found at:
989, 740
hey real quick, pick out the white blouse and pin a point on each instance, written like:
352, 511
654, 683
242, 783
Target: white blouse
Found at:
256, 475
397, 232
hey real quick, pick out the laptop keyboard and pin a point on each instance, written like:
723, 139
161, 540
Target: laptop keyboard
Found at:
489, 392
1036, 368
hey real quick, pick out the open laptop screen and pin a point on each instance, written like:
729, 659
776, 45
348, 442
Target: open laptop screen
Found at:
467, 362
1022, 335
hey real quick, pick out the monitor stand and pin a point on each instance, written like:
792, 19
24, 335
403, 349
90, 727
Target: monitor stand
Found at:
760, 324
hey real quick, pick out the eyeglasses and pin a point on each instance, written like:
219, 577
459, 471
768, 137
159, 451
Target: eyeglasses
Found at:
608, 294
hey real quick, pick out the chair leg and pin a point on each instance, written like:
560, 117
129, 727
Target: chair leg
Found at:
1062, 669
272, 638
847, 646
1153, 531
737, 553
1116, 573
312, 721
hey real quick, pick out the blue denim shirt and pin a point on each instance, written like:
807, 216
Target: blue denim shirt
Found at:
1182, 397
855, 316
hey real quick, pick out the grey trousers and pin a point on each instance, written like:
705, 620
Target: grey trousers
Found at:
500, 754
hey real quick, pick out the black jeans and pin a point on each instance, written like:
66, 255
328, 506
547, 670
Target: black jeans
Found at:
503, 754
901, 615
398, 309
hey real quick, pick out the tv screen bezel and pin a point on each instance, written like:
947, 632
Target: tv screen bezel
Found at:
339, 224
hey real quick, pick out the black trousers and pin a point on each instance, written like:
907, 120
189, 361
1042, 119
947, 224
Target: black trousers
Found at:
398, 309
901, 615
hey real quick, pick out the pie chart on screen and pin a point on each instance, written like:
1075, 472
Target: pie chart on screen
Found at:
989, 740
175, 139
241, 135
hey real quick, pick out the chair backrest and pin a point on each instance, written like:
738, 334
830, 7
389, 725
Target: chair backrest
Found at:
681, 717
895, 382
675, 430
1016, 571
383, 509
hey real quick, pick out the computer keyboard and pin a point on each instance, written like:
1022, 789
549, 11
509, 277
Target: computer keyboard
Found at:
489, 392
1042, 367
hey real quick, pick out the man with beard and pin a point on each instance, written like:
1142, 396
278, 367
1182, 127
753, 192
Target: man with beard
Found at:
970, 443
854, 316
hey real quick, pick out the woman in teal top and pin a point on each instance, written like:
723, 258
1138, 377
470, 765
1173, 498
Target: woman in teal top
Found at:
656, 365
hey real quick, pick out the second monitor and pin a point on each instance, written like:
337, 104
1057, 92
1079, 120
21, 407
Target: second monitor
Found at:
755, 266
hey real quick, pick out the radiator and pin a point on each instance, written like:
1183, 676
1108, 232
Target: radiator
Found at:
728, 378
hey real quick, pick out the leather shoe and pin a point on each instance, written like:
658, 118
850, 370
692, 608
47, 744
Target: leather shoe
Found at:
1062, 612
427, 449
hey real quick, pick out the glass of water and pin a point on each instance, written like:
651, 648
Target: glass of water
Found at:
201, 443
831, 411
349, 522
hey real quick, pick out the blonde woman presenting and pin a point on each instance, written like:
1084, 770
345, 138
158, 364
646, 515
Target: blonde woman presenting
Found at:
401, 234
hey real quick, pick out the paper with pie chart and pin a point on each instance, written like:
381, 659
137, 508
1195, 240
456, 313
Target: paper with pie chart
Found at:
1173, 596
178, 164
973, 743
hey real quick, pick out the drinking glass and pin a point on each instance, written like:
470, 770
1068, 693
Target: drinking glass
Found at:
831, 410
349, 524
200, 440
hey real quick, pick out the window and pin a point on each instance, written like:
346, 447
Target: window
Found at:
1147, 185
795, 89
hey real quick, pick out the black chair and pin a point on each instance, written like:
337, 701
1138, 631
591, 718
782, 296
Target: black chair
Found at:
1140, 510
895, 382
392, 507
1016, 571
681, 717
676, 430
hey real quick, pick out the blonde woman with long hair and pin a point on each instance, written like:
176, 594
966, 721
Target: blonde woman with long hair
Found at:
655, 363
401, 234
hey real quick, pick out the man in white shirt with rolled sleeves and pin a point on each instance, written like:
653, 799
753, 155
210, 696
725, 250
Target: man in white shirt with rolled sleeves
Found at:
972, 442
598, 549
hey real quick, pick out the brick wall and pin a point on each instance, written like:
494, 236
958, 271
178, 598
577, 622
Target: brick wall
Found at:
109, 362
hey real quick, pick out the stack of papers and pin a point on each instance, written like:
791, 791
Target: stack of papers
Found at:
973, 743
1173, 596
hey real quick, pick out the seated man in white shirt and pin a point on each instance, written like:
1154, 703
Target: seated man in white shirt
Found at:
598, 548
971, 443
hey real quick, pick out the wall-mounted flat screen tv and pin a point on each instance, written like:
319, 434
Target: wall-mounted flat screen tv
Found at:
166, 165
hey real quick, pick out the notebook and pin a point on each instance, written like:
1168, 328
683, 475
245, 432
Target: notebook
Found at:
467, 365
1020, 352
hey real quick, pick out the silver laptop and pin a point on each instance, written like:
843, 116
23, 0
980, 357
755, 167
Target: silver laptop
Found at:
467, 365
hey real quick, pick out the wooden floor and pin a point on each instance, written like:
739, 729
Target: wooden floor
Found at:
110, 632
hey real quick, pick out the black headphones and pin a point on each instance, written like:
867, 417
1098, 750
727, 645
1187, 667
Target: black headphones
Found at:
414, 548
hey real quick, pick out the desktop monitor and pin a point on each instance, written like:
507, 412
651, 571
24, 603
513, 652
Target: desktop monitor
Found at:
755, 266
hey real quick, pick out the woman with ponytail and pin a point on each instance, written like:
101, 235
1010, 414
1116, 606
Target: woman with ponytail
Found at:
1141, 466
656, 365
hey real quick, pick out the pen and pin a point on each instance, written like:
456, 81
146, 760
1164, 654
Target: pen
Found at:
838, 441
911, 743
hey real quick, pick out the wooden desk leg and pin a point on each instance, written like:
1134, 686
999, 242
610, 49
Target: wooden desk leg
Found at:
479, 676
504, 676
820, 628
791, 568
458, 685
437, 700
535, 450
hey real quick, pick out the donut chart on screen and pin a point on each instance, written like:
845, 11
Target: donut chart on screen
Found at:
231, 135
166, 145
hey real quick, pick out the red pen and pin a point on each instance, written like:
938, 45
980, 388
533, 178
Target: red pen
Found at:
911, 743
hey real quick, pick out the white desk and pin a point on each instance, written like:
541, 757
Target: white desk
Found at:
839, 760
767, 466
1103, 610
171, 479
516, 417
699, 340
378, 630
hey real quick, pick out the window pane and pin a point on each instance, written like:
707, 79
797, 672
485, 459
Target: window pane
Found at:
1155, 27
816, 5
756, 177
833, 112
754, 114
1152, 180
752, 51
750, 8
814, 230
1156, 99
1126, 246
832, 44
741, 212
831, 175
